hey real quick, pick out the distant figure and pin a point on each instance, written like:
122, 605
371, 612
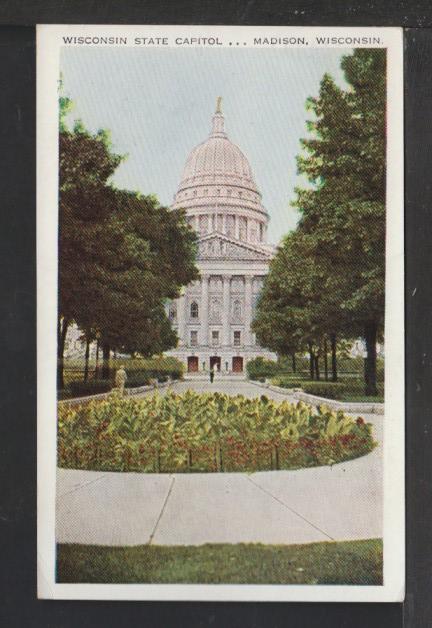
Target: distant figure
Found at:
211, 375
120, 379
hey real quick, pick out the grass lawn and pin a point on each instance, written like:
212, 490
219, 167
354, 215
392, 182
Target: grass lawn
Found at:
349, 389
351, 562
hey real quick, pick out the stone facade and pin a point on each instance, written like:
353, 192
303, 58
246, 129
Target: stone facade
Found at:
214, 314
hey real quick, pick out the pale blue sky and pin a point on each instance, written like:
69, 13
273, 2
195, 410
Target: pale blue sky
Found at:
158, 104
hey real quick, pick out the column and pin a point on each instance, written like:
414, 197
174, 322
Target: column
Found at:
226, 310
203, 315
236, 227
181, 320
248, 310
224, 224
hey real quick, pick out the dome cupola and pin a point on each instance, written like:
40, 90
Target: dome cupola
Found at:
217, 181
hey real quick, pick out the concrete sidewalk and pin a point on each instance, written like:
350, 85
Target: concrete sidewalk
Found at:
339, 503
342, 502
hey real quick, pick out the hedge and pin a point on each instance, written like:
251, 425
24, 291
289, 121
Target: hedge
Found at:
205, 433
288, 381
159, 368
260, 368
92, 387
331, 390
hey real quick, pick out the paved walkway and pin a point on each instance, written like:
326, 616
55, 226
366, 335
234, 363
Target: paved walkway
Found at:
342, 502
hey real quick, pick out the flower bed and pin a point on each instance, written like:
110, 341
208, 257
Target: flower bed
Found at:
195, 432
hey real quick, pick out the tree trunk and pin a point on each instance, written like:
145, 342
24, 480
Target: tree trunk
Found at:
317, 371
97, 360
294, 366
105, 361
333, 357
86, 358
62, 328
325, 360
370, 336
311, 361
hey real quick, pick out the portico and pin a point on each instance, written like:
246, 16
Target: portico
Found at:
213, 316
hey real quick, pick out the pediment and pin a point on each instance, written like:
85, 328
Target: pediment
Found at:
220, 247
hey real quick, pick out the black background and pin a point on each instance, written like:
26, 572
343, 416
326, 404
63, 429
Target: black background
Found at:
18, 604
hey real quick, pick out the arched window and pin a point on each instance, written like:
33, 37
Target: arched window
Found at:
237, 309
194, 309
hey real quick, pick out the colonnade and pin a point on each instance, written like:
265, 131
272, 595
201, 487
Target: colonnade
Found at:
218, 222
203, 318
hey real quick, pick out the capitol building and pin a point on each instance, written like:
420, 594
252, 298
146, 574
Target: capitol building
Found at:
213, 316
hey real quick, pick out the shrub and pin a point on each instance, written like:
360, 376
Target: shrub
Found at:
259, 368
137, 379
205, 432
153, 368
140, 371
331, 390
93, 387
285, 381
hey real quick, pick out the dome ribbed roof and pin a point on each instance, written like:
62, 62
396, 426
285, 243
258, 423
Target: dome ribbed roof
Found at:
218, 169
219, 158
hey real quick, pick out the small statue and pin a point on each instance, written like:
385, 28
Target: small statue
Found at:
120, 379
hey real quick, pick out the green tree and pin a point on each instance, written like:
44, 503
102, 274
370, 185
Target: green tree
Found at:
85, 204
121, 254
327, 279
149, 253
344, 211
293, 313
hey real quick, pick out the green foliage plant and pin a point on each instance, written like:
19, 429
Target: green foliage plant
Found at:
259, 368
205, 432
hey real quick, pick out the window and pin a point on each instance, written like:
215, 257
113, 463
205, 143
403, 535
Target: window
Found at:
220, 223
194, 309
215, 338
172, 313
237, 309
203, 225
242, 228
255, 302
230, 225
194, 338
237, 338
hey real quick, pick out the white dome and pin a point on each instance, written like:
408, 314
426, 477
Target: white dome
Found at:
218, 191
218, 171
217, 160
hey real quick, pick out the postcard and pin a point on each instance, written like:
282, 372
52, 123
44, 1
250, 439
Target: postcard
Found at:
220, 313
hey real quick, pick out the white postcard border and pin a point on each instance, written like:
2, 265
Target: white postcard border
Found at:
49, 42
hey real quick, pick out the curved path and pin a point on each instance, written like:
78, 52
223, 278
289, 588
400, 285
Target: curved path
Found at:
343, 502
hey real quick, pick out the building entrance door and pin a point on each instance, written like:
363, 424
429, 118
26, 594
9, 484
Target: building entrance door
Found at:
237, 364
215, 362
192, 364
